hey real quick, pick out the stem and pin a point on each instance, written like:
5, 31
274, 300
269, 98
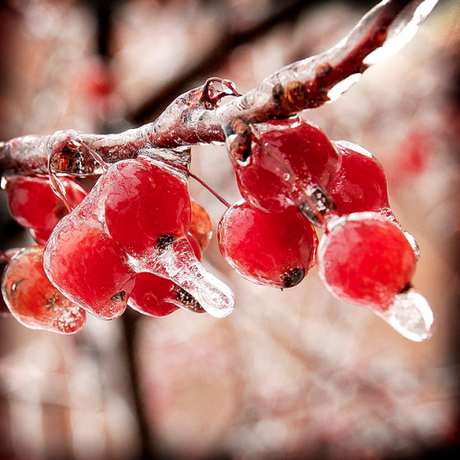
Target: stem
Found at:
201, 182
210, 189
5, 256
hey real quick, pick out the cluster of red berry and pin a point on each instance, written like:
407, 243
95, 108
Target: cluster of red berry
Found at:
293, 178
137, 237
27, 292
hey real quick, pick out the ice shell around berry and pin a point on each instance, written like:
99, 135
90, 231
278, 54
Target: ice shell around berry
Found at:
33, 300
269, 249
408, 311
144, 201
287, 157
411, 316
366, 259
88, 267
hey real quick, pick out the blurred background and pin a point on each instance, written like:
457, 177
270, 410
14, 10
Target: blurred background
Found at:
289, 375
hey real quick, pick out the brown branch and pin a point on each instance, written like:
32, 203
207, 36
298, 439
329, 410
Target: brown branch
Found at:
306, 84
196, 117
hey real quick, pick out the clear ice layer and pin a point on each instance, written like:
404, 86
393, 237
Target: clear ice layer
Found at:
343, 86
402, 30
411, 316
178, 263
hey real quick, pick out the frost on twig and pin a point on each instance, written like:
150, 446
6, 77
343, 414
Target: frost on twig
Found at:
198, 117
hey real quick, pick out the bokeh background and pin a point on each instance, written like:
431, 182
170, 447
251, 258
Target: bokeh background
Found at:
289, 375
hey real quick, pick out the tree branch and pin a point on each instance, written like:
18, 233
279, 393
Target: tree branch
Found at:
197, 116
232, 35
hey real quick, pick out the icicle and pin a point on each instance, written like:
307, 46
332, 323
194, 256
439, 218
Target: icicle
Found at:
410, 315
178, 263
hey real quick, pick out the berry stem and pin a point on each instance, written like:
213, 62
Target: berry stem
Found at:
200, 181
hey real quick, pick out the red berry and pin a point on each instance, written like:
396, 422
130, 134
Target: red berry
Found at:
290, 158
89, 267
35, 206
360, 184
366, 259
146, 205
33, 300
4, 259
273, 249
156, 296
201, 225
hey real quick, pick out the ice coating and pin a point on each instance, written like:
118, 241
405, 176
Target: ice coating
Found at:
33, 300
343, 86
402, 30
410, 315
178, 263
406, 310
389, 38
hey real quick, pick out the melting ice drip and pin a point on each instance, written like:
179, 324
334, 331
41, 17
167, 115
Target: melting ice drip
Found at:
178, 263
410, 315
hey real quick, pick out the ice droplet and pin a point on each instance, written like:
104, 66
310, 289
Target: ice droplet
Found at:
410, 315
